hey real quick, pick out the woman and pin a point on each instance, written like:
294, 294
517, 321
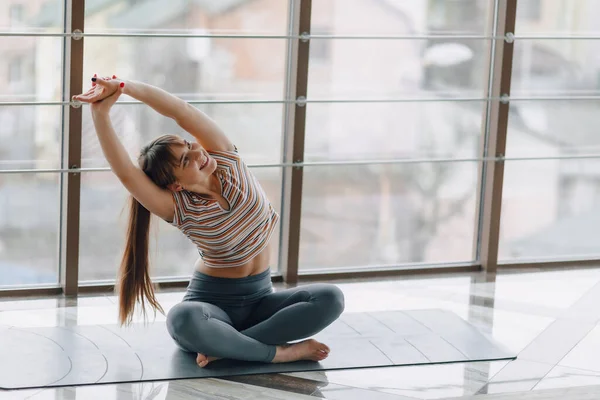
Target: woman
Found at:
206, 190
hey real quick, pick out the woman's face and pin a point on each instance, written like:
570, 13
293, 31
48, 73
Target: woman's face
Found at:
194, 165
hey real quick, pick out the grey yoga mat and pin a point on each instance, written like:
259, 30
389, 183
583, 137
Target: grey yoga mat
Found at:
91, 354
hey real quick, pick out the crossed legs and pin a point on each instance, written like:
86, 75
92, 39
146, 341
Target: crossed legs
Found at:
278, 318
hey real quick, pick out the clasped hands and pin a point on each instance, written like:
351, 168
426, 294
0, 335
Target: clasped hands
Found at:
103, 93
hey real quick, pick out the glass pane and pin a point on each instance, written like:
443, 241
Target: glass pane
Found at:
369, 68
558, 16
400, 17
550, 210
31, 15
368, 131
556, 67
30, 137
254, 128
357, 216
30, 69
551, 128
187, 16
104, 217
29, 228
193, 68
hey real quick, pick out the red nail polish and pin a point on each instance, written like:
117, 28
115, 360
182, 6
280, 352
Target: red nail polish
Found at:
114, 77
122, 84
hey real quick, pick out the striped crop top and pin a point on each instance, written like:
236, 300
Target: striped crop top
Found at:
227, 238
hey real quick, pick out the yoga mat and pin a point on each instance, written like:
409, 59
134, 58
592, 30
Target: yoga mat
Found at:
92, 354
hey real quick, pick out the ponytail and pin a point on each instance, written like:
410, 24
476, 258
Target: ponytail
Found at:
134, 284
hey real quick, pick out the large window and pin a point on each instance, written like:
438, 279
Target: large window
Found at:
395, 126
411, 211
550, 203
386, 215
30, 138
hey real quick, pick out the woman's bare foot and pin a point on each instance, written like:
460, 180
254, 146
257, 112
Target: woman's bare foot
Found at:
203, 361
308, 349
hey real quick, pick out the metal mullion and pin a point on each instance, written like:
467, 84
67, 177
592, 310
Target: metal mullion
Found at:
332, 101
341, 163
304, 36
367, 272
416, 36
557, 37
80, 35
71, 151
550, 264
478, 224
374, 272
30, 292
33, 103
294, 125
496, 127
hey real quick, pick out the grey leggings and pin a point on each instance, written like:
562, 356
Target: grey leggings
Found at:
244, 319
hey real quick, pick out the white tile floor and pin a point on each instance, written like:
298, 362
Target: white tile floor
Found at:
549, 318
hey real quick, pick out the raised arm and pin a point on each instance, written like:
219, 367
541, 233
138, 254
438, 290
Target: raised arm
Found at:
155, 199
188, 117
192, 120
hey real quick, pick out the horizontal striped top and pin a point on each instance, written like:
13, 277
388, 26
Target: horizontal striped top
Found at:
227, 238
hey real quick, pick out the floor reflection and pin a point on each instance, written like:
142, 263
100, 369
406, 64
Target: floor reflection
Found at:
481, 314
549, 318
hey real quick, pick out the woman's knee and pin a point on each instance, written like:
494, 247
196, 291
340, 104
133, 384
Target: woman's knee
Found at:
185, 319
332, 297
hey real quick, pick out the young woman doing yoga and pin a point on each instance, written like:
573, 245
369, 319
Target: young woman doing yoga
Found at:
205, 189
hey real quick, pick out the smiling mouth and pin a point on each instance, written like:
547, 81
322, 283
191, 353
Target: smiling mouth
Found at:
205, 162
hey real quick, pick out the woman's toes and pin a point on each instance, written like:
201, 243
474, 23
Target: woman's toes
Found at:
324, 348
201, 360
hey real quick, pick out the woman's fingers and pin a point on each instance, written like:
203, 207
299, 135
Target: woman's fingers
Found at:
90, 91
84, 96
102, 87
88, 97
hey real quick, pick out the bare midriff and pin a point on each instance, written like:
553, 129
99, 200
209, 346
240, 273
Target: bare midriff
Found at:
258, 264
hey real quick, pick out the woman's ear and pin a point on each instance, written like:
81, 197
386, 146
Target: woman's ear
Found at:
175, 187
